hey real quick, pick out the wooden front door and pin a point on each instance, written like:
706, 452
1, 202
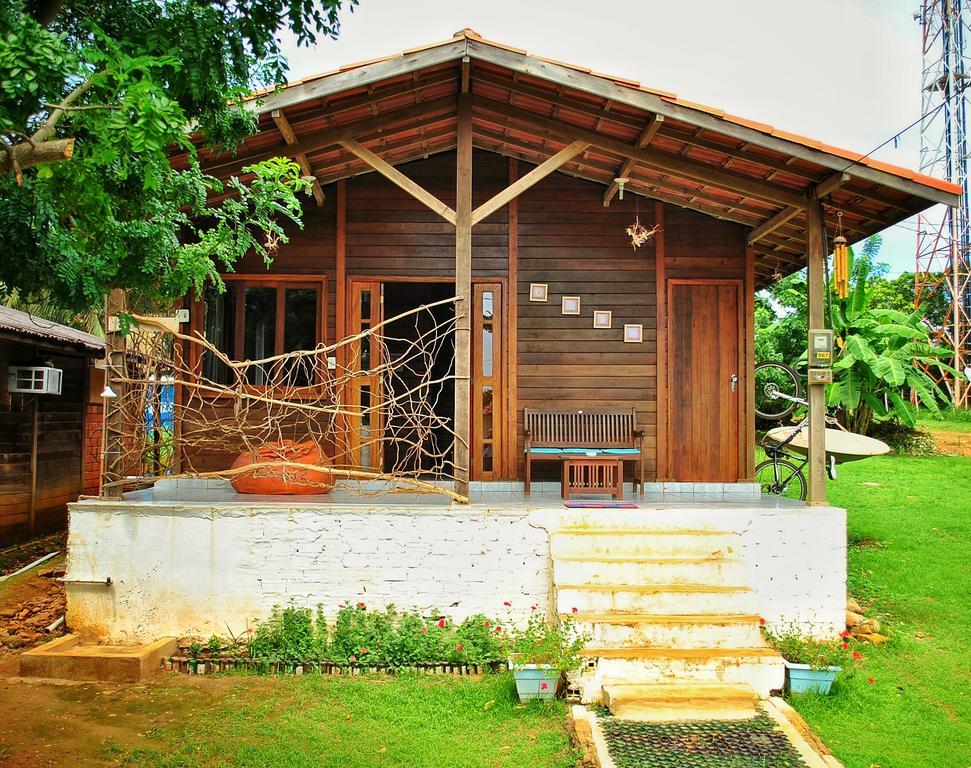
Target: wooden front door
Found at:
704, 386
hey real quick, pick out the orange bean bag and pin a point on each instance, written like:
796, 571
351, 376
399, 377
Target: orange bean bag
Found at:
283, 480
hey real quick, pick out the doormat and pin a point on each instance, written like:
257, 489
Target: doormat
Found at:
754, 743
600, 505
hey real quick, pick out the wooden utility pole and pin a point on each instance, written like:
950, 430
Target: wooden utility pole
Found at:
816, 286
463, 289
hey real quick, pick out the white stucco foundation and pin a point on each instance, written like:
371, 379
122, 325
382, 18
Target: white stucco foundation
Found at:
193, 567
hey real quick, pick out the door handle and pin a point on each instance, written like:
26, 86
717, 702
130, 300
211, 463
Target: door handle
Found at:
734, 381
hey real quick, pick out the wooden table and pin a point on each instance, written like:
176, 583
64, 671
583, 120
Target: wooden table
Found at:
592, 474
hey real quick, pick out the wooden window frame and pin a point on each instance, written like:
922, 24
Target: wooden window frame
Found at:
239, 283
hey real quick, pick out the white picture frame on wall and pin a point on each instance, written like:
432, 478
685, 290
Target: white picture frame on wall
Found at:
570, 305
538, 292
633, 333
602, 319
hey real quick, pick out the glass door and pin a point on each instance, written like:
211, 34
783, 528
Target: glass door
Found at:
365, 307
487, 400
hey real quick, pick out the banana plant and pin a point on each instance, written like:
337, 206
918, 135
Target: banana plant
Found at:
882, 354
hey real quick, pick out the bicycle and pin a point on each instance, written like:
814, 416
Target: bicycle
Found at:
778, 392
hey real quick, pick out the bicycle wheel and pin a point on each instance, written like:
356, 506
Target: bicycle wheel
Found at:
781, 478
771, 381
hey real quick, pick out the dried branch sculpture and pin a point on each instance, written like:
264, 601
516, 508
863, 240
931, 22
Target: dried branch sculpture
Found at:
378, 420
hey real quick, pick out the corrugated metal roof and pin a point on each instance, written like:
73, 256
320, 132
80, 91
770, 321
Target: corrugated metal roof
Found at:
17, 322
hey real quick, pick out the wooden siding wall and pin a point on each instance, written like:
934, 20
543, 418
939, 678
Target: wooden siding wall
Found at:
566, 239
569, 241
391, 233
59, 446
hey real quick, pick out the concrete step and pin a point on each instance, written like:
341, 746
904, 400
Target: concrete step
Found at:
760, 667
666, 702
654, 599
637, 569
643, 543
643, 518
622, 630
68, 658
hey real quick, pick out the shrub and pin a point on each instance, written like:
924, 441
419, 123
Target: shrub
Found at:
289, 634
798, 648
558, 644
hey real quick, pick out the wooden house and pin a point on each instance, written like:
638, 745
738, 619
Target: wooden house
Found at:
470, 168
45, 461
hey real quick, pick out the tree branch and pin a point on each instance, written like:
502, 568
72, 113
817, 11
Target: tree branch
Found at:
80, 108
25, 156
47, 129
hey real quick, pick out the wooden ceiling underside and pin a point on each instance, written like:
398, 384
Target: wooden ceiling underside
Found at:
413, 115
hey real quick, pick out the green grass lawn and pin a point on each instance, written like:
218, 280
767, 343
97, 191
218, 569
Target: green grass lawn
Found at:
357, 722
909, 523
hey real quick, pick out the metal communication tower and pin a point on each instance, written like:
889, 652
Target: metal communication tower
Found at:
943, 263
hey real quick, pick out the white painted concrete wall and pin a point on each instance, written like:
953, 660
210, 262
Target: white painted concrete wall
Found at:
195, 569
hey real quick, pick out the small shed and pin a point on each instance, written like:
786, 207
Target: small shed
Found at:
44, 445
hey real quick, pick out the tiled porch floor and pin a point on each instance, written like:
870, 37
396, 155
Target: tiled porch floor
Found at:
494, 495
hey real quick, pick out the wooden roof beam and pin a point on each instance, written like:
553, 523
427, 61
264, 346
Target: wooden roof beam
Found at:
771, 225
397, 178
653, 126
521, 185
386, 121
286, 131
738, 183
831, 183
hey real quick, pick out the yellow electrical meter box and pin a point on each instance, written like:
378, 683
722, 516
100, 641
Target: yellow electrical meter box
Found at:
820, 348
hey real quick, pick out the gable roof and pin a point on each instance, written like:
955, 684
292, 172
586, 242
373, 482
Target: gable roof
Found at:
404, 107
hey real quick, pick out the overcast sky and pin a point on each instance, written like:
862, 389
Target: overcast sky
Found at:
844, 71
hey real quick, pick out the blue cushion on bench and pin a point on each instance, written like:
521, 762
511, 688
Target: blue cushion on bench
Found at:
581, 451
621, 451
549, 451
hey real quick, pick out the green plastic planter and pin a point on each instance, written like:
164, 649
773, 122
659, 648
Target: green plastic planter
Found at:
535, 681
804, 679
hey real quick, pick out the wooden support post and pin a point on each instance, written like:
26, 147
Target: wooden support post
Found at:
512, 329
340, 269
748, 402
113, 463
816, 258
397, 178
32, 511
536, 175
663, 440
463, 289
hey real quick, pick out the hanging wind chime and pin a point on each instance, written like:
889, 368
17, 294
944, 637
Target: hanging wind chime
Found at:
841, 260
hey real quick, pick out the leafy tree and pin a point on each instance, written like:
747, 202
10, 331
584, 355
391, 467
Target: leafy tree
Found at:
898, 294
882, 354
94, 96
883, 344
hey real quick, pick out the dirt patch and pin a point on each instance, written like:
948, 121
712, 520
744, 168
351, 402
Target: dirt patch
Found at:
954, 443
28, 605
16, 557
45, 724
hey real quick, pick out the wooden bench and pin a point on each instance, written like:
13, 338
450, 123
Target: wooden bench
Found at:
553, 435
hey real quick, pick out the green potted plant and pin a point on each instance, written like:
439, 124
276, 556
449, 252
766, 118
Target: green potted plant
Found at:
811, 665
541, 652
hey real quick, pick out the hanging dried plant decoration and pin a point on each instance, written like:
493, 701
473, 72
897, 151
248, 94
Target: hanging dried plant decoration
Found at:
639, 234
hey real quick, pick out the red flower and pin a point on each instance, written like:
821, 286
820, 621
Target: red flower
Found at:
845, 633
424, 630
363, 650
532, 607
576, 610
507, 604
846, 646
249, 630
486, 623
498, 629
352, 658
857, 656
360, 605
543, 686
870, 680
761, 622
441, 623
458, 647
